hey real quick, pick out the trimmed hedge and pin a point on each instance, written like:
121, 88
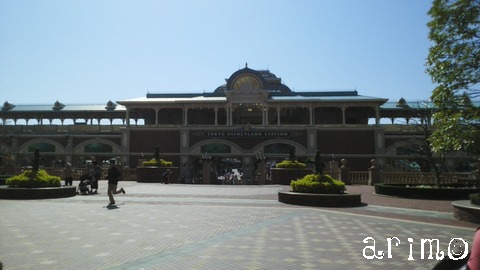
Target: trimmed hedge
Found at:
291, 164
153, 162
318, 183
28, 180
475, 198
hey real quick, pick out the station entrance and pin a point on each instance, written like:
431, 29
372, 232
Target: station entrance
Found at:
226, 164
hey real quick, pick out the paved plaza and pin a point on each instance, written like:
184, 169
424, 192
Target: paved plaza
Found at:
156, 226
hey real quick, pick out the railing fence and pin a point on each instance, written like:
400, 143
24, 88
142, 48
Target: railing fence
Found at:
356, 177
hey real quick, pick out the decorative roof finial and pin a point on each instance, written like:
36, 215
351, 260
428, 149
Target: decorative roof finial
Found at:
57, 106
246, 65
7, 106
110, 105
402, 103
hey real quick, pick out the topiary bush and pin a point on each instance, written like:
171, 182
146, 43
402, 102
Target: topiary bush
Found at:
291, 164
28, 179
318, 183
153, 162
475, 198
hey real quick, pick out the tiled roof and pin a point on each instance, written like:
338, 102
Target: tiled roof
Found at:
293, 96
173, 99
391, 105
66, 108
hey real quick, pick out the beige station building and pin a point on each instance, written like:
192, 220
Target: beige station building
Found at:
253, 115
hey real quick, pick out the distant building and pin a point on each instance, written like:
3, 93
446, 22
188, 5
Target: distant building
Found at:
252, 113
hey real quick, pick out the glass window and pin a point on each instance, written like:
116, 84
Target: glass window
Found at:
42, 147
98, 148
216, 148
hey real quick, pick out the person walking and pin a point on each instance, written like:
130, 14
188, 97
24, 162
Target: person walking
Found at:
113, 177
166, 176
68, 174
95, 174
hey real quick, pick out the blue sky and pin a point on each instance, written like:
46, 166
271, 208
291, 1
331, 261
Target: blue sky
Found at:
90, 51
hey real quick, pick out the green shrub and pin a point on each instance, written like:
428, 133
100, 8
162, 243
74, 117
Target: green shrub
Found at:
315, 183
28, 180
291, 164
153, 162
475, 198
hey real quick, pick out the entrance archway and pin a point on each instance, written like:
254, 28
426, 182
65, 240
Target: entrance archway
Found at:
219, 156
102, 150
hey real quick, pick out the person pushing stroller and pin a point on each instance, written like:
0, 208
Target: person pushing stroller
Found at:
84, 187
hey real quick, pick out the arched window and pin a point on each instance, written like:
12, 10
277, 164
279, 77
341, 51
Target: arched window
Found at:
42, 147
277, 148
98, 148
216, 148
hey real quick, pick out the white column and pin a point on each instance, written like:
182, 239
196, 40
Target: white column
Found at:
263, 116
266, 115
311, 115
127, 116
278, 116
185, 116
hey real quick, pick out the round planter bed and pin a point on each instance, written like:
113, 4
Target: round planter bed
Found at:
37, 193
325, 200
465, 210
442, 193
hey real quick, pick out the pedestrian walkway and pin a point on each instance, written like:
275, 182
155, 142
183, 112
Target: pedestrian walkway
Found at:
156, 226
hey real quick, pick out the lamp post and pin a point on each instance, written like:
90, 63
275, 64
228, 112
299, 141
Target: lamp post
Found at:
261, 168
206, 166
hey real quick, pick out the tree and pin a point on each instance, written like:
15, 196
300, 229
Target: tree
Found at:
422, 115
454, 65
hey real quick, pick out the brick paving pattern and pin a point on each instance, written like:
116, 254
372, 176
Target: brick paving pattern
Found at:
157, 226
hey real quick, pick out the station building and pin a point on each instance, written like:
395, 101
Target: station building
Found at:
252, 115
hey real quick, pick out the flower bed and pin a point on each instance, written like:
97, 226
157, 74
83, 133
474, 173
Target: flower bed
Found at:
35, 185
33, 179
324, 200
450, 192
9, 193
319, 190
318, 183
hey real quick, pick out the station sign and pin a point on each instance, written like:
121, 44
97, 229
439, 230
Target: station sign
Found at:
249, 134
